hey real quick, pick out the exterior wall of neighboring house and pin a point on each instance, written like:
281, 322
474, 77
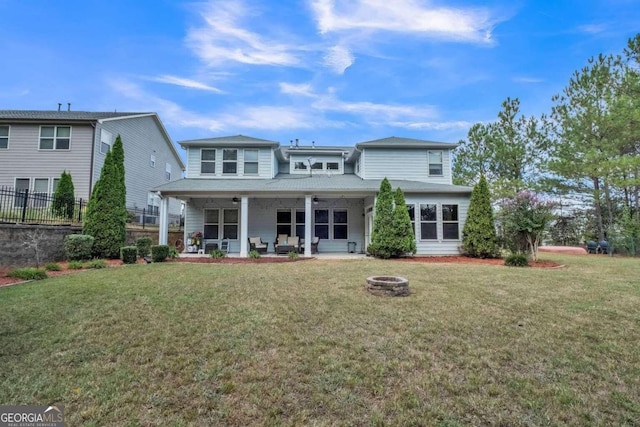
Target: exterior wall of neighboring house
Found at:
321, 161
24, 159
146, 156
194, 160
405, 163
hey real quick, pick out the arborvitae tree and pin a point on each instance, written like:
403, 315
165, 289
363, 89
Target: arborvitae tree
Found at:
64, 197
118, 161
105, 218
404, 239
479, 233
382, 233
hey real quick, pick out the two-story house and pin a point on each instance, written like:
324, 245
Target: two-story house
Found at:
37, 146
239, 187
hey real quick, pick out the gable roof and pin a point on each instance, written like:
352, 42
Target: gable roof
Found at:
230, 141
30, 115
395, 142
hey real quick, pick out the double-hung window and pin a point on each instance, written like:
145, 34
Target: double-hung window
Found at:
22, 185
411, 209
208, 161
55, 137
211, 223
283, 222
450, 224
40, 192
435, 163
340, 229
321, 220
230, 161
4, 137
167, 171
105, 141
300, 221
428, 222
250, 162
230, 224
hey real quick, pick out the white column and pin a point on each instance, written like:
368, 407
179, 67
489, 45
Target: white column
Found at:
163, 237
244, 225
307, 226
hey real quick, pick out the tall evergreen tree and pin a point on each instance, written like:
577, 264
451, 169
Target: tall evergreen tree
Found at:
118, 161
64, 197
105, 218
404, 238
479, 233
382, 222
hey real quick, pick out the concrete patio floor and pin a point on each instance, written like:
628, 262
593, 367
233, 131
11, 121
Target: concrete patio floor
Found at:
328, 255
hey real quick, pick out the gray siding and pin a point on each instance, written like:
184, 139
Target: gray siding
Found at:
405, 163
23, 159
141, 138
265, 169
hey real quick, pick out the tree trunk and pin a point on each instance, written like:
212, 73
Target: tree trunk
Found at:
607, 196
597, 207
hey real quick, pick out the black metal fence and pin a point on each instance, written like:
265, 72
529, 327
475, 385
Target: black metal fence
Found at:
27, 207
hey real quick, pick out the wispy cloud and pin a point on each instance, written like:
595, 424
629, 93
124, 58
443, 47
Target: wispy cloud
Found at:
184, 82
338, 59
592, 28
435, 125
301, 89
530, 80
222, 38
405, 16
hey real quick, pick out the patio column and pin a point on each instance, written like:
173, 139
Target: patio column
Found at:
244, 225
163, 236
307, 226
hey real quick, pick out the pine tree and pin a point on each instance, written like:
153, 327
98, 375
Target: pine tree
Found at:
64, 197
479, 234
105, 218
404, 239
382, 233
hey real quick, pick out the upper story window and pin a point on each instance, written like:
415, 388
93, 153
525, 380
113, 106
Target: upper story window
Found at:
167, 171
105, 141
55, 137
435, 163
301, 166
250, 162
229, 161
152, 161
333, 166
208, 161
4, 137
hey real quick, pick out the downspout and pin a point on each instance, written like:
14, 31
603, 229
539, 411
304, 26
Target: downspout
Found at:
91, 164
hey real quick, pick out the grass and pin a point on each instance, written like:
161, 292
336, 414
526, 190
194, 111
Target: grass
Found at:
304, 344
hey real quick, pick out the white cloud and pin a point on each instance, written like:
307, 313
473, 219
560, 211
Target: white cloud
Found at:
184, 82
524, 79
405, 16
223, 38
374, 112
338, 59
302, 89
435, 125
592, 28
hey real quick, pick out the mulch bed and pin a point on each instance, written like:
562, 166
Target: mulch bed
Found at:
4, 280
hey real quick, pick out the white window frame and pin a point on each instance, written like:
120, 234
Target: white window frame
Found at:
18, 202
225, 224
167, 171
429, 221
54, 185
229, 161
7, 137
441, 164
55, 138
456, 221
413, 221
217, 224
106, 138
152, 160
290, 224
256, 162
334, 223
39, 198
208, 161
323, 224
300, 166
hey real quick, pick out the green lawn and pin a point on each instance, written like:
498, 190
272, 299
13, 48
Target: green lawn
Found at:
303, 344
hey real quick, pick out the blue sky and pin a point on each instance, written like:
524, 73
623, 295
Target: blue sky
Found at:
330, 71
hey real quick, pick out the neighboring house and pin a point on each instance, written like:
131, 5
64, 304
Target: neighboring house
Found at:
239, 187
36, 146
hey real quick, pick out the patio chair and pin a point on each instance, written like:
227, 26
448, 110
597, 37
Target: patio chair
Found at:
592, 247
603, 247
314, 245
224, 246
256, 244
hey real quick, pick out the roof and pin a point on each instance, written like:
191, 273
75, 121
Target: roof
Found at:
230, 141
394, 142
286, 183
29, 115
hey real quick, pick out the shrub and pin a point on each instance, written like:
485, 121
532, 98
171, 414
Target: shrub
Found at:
28, 273
254, 254
217, 253
292, 255
403, 238
75, 265
64, 198
159, 253
173, 252
129, 254
78, 246
96, 263
382, 234
516, 260
144, 246
52, 266
479, 238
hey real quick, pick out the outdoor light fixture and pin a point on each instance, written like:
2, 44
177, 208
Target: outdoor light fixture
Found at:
315, 200
235, 200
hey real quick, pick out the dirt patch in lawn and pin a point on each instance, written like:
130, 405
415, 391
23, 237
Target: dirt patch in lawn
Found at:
469, 260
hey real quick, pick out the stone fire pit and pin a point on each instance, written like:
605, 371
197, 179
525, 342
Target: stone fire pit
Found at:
392, 286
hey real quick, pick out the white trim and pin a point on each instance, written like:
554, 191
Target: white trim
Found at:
8, 136
55, 138
103, 134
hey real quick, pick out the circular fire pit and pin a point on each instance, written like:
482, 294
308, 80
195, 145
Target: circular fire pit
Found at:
392, 286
